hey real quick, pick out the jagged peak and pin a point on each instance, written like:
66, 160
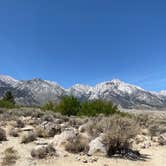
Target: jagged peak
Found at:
8, 79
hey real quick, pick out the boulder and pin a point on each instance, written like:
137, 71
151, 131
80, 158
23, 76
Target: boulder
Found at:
141, 138
162, 139
51, 128
28, 128
97, 148
61, 140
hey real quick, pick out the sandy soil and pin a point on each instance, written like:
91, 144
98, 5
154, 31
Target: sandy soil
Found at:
156, 156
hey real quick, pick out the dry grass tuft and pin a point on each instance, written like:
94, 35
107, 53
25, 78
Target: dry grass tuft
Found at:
2, 135
77, 145
28, 137
10, 156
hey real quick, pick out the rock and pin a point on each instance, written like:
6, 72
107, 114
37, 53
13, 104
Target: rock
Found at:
61, 140
41, 142
96, 147
146, 145
145, 132
82, 128
141, 139
51, 128
29, 128
162, 139
85, 161
155, 139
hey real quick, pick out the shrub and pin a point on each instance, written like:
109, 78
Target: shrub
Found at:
77, 145
49, 106
13, 132
117, 132
29, 137
10, 156
9, 97
68, 105
41, 152
2, 135
96, 107
20, 124
41, 132
6, 104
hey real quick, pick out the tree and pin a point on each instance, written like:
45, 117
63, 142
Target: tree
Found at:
9, 97
49, 106
68, 105
95, 107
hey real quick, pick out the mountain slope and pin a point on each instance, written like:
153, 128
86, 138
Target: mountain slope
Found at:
38, 92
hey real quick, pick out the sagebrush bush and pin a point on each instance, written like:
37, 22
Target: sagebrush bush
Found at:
13, 132
117, 132
28, 137
20, 124
10, 156
77, 145
43, 151
2, 135
41, 132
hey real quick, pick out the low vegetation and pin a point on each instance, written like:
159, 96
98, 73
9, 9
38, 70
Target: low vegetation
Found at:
10, 156
2, 135
7, 101
43, 152
77, 145
71, 106
28, 137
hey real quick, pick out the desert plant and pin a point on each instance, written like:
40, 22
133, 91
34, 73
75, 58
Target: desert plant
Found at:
2, 135
9, 97
6, 104
96, 107
68, 105
20, 124
10, 156
41, 132
118, 132
28, 137
49, 106
43, 151
13, 132
77, 145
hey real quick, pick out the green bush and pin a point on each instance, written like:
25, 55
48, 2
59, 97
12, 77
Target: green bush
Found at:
9, 97
49, 106
6, 104
68, 105
95, 107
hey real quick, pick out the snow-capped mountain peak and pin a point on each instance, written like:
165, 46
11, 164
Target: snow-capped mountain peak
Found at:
38, 92
8, 80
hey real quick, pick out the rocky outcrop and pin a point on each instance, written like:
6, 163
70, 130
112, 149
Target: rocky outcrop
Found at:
97, 148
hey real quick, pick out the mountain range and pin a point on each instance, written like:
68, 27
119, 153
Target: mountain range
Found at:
37, 92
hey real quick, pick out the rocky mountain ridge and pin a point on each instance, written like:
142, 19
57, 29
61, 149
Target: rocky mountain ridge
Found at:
38, 92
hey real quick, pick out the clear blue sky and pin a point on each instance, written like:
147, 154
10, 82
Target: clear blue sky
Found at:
84, 41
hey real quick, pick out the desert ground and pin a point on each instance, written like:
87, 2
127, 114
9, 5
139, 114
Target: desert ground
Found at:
153, 155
